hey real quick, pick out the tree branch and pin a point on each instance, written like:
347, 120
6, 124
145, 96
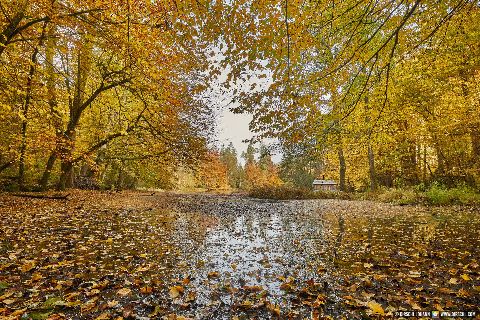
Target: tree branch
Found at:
101, 89
13, 29
110, 137
288, 40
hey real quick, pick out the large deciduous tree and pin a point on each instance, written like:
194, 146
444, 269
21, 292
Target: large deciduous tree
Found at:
80, 79
386, 87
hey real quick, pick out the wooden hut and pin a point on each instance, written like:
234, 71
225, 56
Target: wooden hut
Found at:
324, 185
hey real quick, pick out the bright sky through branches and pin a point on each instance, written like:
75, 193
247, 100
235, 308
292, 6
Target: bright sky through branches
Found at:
235, 127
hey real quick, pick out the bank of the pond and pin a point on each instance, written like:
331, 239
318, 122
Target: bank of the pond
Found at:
434, 195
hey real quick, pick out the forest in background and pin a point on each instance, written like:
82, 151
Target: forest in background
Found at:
111, 94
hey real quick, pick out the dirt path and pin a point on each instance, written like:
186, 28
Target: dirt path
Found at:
131, 255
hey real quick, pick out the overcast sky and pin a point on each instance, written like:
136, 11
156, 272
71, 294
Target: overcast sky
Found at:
234, 127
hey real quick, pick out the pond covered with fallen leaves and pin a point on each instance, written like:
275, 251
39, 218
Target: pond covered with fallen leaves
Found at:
173, 256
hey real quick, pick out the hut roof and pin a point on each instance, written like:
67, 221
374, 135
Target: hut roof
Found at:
324, 182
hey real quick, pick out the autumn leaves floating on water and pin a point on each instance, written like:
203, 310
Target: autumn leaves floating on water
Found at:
166, 257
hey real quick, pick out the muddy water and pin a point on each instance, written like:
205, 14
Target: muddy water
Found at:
237, 257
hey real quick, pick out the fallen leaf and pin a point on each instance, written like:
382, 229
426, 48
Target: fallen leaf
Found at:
253, 288
128, 312
92, 292
375, 307
29, 265
367, 295
36, 276
191, 297
124, 292
15, 313
103, 316
143, 268
462, 293
53, 302
9, 301
213, 274
445, 290
156, 311
438, 307
273, 309
175, 291
112, 303
89, 305
415, 274
146, 290
465, 277
320, 301
379, 277
246, 304
414, 304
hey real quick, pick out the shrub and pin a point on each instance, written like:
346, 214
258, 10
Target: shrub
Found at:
438, 194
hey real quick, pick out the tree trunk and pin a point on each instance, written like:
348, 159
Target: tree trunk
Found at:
410, 167
48, 170
343, 168
474, 130
26, 106
407, 146
424, 163
53, 104
371, 166
67, 144
440, 160
371, 155
66, 179
475, 137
